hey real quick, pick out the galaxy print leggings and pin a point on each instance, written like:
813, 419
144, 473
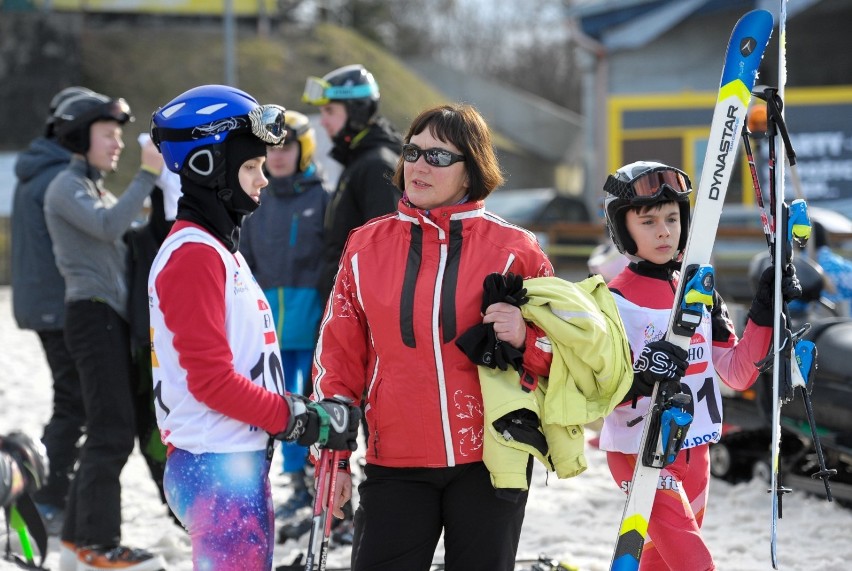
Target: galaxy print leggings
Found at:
225, 503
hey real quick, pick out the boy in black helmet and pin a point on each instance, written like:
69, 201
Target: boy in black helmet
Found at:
38, 302
647, 215
87, 223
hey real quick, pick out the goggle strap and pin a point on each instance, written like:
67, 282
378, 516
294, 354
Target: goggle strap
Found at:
618, 188
162, 134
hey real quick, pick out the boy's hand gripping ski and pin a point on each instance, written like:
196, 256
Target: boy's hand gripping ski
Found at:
745, 50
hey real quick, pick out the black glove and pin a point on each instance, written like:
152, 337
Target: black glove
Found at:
760, 311
507, 288
330, 423
481, 346
660, 362
480, 342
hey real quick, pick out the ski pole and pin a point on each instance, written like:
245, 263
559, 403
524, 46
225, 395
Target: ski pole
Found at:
323, 507
758, 193
805, 353
774, 107
17, 523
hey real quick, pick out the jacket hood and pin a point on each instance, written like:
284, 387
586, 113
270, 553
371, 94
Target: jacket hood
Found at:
41, 154
380, 133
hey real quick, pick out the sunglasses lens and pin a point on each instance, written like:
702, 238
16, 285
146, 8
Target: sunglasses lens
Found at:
438, 158
410, 153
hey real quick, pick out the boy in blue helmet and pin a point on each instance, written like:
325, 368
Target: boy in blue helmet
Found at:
283, 245
216, 362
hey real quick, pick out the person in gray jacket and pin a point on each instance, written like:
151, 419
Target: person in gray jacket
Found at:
87, 224
38, 304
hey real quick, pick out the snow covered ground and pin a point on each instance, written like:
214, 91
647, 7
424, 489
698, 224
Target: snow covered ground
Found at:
574, 520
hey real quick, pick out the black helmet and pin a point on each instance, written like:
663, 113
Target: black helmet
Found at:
644, 183
30, 456
57, 100
351, 85
74, 116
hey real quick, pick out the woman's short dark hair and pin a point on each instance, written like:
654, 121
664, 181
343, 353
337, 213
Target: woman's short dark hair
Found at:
462, 126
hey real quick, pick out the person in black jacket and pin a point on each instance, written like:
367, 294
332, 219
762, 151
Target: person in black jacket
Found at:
38, 303
367, 146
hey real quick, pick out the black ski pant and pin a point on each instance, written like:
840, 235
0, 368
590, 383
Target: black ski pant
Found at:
65, 427
98, 339
402, 512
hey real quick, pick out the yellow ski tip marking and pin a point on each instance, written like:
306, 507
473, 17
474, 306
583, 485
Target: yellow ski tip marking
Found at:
736, 89
635, 523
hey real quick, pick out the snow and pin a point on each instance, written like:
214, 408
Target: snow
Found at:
574, 520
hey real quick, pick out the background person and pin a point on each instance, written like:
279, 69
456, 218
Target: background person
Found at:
87, 224
367, 146
283, 245
402, 297
38, 303
216, 360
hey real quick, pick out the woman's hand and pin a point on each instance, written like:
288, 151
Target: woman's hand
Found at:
509, 324
342, 492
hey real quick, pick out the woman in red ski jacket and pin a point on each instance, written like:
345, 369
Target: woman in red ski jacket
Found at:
409, 284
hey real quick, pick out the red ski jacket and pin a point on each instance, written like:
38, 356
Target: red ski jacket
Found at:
409, 284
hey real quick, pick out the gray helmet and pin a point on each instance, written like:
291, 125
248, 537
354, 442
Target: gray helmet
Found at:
644, 183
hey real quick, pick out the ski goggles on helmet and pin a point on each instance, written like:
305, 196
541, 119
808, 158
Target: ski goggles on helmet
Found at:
318, 91
434, 156
119, 110
112, 110
650, 186
266, 122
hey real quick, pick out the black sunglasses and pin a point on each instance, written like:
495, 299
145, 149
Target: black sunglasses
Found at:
434, 156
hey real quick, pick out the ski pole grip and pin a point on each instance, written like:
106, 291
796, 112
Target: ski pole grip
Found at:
799, 224
697, 292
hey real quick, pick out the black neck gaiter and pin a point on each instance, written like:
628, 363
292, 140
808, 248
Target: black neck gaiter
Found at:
203, 206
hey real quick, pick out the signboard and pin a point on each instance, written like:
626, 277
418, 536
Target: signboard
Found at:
673, 128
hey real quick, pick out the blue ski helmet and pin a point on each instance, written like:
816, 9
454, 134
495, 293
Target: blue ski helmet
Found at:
191, 129
644, 183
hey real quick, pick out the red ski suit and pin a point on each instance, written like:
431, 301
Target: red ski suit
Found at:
408, 285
